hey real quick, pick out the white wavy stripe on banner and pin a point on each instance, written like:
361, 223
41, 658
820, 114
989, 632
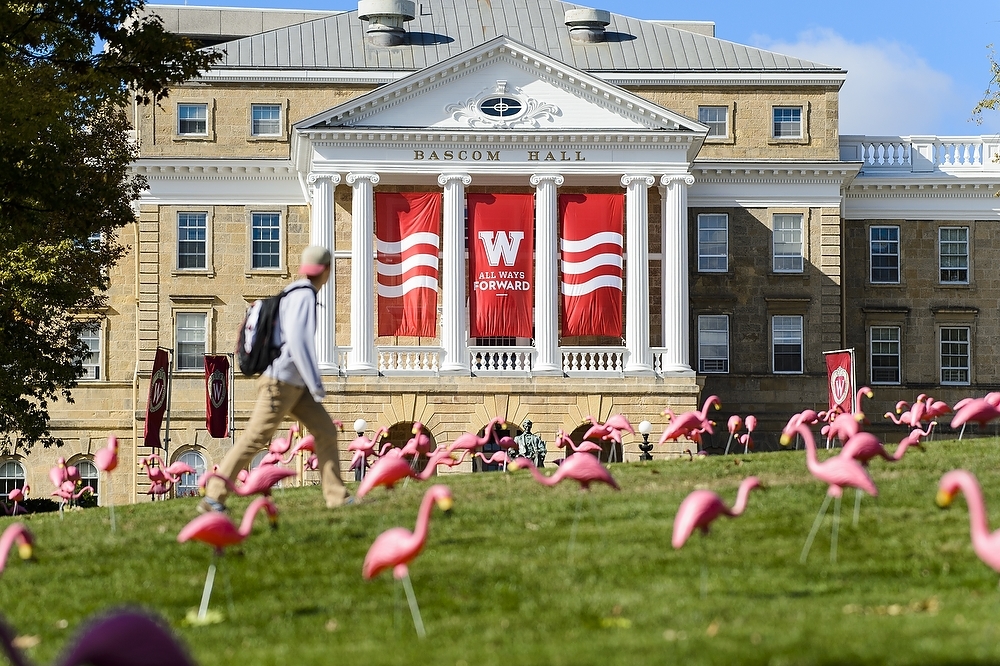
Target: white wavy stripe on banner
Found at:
417, 282
591, 241
590, 263
398, 247
596, 283
408, 264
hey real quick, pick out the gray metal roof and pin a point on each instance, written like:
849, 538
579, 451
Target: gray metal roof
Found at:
445, 28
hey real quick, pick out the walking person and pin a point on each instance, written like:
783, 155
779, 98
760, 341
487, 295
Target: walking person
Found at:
290, 385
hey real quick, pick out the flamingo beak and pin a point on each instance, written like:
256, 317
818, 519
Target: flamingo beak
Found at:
445, 504
944, 498
786, 439
25, 551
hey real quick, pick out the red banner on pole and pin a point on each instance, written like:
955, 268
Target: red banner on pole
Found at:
156, 401
840, 380
217, 395
501, 243
407, 231
591, 249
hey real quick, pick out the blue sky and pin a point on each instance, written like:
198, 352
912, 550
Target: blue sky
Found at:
914, 67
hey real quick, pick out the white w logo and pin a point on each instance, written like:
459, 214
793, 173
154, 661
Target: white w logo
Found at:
501, 245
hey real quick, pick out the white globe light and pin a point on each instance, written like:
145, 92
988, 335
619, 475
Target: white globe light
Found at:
360, 425
645, 428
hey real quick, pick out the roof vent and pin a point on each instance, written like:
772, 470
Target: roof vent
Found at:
385, 20
587, 25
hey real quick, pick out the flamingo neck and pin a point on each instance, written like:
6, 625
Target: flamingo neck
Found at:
246, 526
742, 496
6, 543
978, 525
807, 437
423, 519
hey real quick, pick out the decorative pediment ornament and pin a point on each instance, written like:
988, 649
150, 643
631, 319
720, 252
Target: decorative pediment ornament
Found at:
502, 108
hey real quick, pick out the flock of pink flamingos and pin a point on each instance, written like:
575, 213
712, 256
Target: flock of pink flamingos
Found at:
396, 548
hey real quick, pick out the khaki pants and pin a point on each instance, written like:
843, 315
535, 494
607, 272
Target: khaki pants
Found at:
275, 400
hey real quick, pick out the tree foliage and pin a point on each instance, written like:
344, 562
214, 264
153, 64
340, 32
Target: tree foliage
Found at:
69, 72
991, 98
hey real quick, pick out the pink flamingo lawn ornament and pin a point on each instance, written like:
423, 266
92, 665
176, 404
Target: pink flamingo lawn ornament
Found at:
215, 529
564, 441
733, 425
397, 547
838, 472
612, 430
497, 458
470, 441
686, 423
107, 461
122, 638
985, 544
259, 481
17, 534
864, 447
364, 447
699, 509
977, 410
389, 470
17, 495
747, 440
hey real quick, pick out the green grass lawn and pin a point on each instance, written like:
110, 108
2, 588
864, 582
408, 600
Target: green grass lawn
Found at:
496, 583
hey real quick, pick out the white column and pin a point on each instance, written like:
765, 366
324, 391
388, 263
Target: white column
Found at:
453, 324
362, 358
674, 235
548, 361
640, 358
322, 186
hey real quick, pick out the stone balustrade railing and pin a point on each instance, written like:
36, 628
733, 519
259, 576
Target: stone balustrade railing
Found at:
921, 154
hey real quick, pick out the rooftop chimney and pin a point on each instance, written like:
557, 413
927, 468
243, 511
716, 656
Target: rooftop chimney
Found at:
587, 25
385, 20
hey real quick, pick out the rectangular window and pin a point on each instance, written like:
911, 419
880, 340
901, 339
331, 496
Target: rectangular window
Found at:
786, 343
713, 343
192, 119
265, 251
191, 336
192, 240
787, 122
91, 335
713, 243
884, 359
717, 119
884, 243
265, 119
955, 355
953, 254
787, 243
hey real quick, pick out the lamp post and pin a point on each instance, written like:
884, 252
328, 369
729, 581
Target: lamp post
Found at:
360, 426
644, 429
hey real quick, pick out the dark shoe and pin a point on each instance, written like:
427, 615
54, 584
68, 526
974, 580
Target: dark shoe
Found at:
207, 505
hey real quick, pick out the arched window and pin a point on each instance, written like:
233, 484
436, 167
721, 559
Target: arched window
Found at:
11, 476
88, 475
255, 463
187, 486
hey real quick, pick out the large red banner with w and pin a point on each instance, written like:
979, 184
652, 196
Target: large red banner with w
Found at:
840, 379
156, 401
217, 395
407, 232
501, 243
591, 248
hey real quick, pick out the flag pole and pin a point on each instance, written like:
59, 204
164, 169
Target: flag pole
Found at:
232, 399
170, 390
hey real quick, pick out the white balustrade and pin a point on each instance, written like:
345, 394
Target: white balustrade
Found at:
594, 360
501, 360
921, 154
408, 360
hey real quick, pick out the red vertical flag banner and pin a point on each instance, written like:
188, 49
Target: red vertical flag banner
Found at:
501, 243
217, 395
591, 249
156, 401
407, 232
840, 379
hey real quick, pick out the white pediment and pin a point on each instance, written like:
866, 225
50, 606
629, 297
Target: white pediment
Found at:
502, 86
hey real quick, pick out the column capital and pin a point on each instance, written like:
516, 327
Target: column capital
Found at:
446, 178
355, 177
315, 176
670, 178
537, 178
644, 178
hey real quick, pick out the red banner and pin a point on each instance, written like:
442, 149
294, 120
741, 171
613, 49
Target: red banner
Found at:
501, 243
591, 249
840, 379
156, 401
217, 395
407, 231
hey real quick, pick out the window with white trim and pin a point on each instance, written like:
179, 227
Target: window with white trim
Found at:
190, 340
953, 254
192, 119
11, 476
713, 243
265, 244
955, 350
192, 240
713, 343
265, 119
884, 354
884, 245
787, 242
786, 122
187, 485
717, 119
786, 343
91, 335
88, 475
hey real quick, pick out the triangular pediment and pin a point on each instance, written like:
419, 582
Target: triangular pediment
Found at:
502, 86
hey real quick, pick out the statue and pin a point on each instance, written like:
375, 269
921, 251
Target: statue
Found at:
531, 445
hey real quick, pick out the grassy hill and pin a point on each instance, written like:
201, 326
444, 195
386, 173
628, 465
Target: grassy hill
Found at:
498, 584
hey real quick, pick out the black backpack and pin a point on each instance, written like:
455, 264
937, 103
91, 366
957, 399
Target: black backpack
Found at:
255, 346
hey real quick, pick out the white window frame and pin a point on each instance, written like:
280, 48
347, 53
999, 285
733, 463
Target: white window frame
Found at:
253, 217
181, 336
94, 368
10, 480
713, 261
954, 374
255, 122
786, 239
714, 124
91, 478
886, 249
180, 121
187, 485
959, 259
784, 331
881, 340
709, 360
206, 241
781, 125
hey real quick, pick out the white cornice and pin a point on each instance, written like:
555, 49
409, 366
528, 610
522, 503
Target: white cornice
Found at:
235, 169
777, 172
366, 137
